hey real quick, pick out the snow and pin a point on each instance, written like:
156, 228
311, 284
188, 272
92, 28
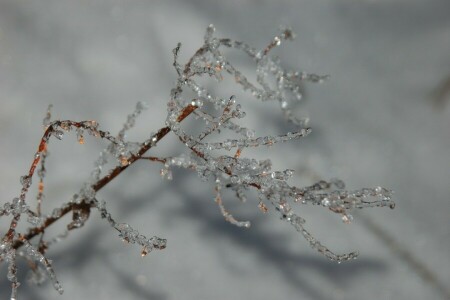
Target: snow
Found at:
376, 121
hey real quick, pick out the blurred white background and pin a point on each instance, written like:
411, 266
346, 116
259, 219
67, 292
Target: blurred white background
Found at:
381, 119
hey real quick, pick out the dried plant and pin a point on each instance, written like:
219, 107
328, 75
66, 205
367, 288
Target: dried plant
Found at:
203, 155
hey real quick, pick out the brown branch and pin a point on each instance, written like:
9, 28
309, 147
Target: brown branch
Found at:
185, 112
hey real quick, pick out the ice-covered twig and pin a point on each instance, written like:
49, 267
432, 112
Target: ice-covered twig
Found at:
202, 153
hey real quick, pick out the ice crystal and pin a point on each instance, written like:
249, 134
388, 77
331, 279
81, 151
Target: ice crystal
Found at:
58, 134
228, 163
25, 181
34, 254
130, 235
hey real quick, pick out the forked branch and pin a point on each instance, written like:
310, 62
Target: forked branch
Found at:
203, 153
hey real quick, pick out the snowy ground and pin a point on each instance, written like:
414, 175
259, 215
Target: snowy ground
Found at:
381, 119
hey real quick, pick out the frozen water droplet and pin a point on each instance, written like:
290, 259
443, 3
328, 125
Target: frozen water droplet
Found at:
35, 221
197, 102
323, 184
92, 123
288, 173
58, 287
347, 219
338, 183
277, 40
163, 172
234, 179
250, 133
65, 125
325, 202
144, 251
262, 207
58, 134
175, 127
209, 32
25, 181
298, 198
124, 161
159, 243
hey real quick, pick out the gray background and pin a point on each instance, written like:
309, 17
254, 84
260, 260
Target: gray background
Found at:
381, 119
